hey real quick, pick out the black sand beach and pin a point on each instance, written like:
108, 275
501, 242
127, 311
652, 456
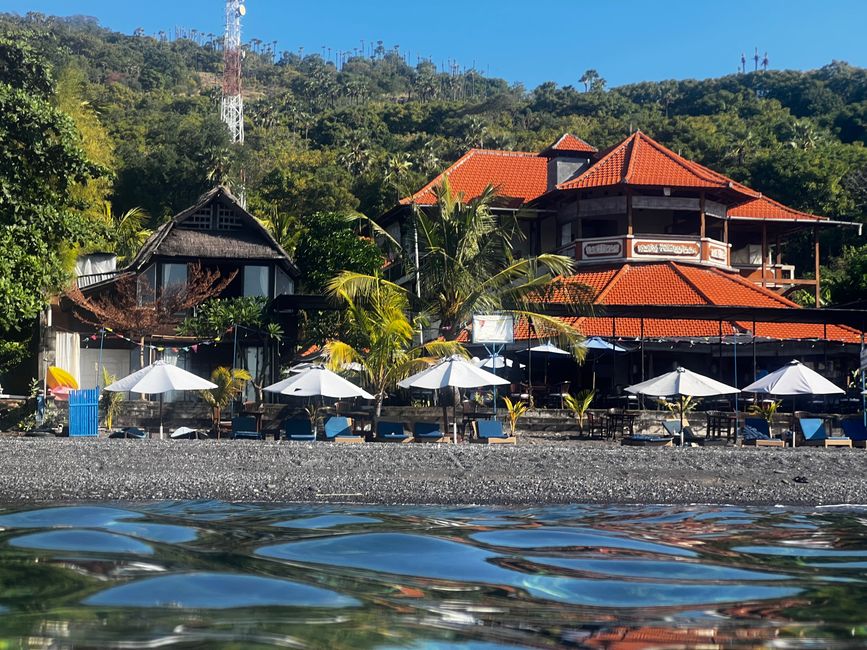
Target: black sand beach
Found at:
44, 470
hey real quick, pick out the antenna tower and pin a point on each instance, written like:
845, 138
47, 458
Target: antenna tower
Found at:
232, 104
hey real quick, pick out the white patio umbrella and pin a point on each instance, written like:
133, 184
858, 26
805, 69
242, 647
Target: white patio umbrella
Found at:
160, 378
495, 362
452, 372
794, 379
318, 381
683, 383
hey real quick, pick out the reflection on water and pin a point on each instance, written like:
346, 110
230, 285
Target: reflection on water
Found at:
218, 575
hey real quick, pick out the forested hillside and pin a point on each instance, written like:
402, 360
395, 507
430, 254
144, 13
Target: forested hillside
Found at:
321, 139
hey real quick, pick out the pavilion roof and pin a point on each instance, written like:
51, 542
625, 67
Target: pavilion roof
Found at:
641, 161
569, 143
766, 208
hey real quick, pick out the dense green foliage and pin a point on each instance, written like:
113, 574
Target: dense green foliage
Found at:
323, 139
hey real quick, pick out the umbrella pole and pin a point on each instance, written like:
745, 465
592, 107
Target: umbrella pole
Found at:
682, 435
161, 416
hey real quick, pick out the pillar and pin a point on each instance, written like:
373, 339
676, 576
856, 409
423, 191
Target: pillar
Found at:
764, 253
629, 228
816, 260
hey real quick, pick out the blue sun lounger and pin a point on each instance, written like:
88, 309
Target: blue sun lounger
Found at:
298, 430
856, 431
428, 432
339, 429
244, 428
815, 435
491, 432
391, 432
756, 432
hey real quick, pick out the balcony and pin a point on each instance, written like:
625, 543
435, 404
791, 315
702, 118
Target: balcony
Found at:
650, 248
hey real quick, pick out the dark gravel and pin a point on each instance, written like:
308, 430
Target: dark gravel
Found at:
38, 470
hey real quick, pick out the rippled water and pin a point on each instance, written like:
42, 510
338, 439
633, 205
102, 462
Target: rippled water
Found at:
218, 575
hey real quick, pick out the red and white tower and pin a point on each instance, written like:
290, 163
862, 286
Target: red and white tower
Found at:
232, 105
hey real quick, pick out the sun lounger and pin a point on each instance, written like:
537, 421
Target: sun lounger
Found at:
244, 428
188, 433
815, 435
298, 430
647, 441
391, 432
491, 432
428, 432
855, 430
753, 437
130, 432
339, 429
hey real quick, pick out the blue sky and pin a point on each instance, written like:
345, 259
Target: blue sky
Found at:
525, 40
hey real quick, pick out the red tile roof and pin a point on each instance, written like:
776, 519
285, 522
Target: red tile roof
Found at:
671, 283
765, 208
569, 142
519, 177
641, 161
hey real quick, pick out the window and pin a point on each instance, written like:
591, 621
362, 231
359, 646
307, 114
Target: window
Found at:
146, 285
199, 220
283, 285
227, 219
174, 275
256, 281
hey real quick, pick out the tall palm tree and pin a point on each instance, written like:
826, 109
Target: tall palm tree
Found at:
377, 318
396, 169
466, 266
128, 230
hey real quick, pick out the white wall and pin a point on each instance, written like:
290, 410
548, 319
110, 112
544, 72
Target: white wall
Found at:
115, 361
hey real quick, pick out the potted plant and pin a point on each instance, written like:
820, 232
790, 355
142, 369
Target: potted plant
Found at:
230, 382
681, 407
579, 405
766, 409
514, 410
110, 400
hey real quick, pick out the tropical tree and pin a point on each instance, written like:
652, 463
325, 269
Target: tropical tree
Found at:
382, 334
579, 405
109, 401
515, 411
466, 266
230, 383
126, 230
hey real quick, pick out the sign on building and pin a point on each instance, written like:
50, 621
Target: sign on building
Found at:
493, 328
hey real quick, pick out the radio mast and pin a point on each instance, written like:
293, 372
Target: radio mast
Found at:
232, 104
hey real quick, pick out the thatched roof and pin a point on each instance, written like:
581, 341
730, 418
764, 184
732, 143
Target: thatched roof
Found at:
250, 242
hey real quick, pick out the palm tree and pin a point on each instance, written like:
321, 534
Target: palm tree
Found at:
127, 230
284, 228
377, 318
230, 382
396, 169
466, 267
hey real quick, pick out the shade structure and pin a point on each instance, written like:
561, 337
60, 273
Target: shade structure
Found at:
59, 378
794, 379
495, 362
548, 348
159, 378
452, 372
683, 383
318, 381
596, 343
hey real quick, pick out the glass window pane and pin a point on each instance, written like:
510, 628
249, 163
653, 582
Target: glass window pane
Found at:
283, 285
174, 275
256, 281
147, 282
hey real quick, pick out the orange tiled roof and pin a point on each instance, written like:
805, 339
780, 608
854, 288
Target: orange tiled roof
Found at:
569, 142
765, 208
671, 283
518, 176
641, 160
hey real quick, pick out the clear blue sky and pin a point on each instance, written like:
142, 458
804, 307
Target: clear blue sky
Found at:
530, 41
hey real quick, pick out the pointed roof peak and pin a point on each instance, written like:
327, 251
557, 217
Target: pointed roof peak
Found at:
568, 143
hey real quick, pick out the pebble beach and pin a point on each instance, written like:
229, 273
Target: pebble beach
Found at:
34, 470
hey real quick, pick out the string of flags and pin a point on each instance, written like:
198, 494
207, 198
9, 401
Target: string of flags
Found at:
191, 347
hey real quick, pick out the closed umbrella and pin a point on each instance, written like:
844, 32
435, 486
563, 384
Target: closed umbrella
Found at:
159, 378
452, 372
794, 379
683, 383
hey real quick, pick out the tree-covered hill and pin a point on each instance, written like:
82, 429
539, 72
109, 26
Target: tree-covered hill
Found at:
323, 139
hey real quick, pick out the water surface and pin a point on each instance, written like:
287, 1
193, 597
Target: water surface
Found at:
218, 575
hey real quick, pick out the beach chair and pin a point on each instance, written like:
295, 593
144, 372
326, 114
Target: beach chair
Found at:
815, 435
298, 430
756, 433
133, 433
491, 432
391, 432
855, 430
244, 428
428, 432
339, 429
641, 440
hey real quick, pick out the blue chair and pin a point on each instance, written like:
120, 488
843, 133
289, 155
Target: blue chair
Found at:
244, 428
759, 424
428, 432
298, 430
491, 432
815, 435
855, 430
339, 429
391, 432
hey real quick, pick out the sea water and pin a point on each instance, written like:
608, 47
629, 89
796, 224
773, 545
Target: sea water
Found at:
221, 575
